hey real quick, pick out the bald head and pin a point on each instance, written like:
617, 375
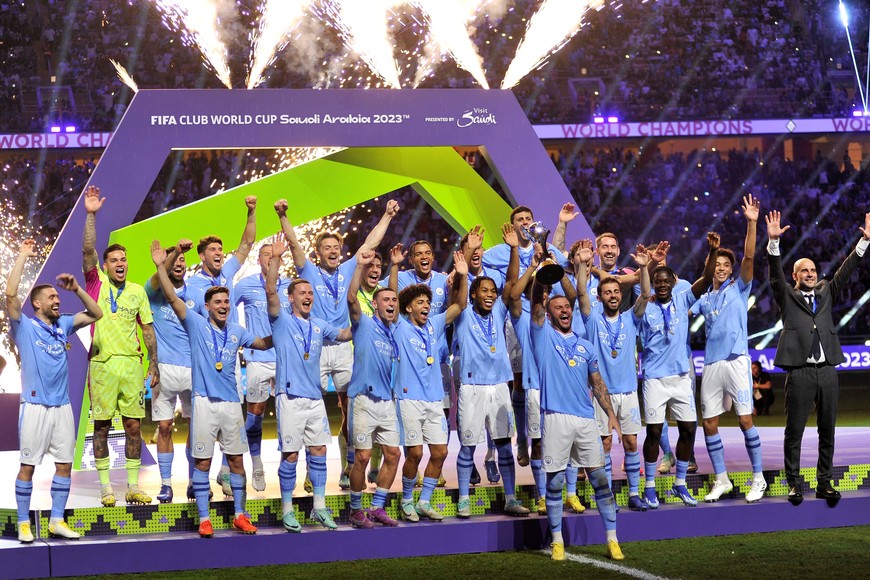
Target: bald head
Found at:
804, 274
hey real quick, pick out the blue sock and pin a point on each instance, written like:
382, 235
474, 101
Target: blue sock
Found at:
464, 466
59, 495
490, 444
164, 463
23, 491
608, 468
429, 484
200, 492
753, 447
717, 452
254, 429
356, 500
508, 469
237, 483
287, 480
318, 474
540, 477
649, 470
555, 481
351, 457
225, 463
518, 402
632, 470
380, 497
665, 441
604, 498
408, 488
190, 463
571, 479
682, 470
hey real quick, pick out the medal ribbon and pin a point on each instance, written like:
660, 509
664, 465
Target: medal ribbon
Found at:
53, 330
720, 298
306, 342
384, 329
331, 281
489, 328
666, 315
611, 335
569, 350
219, 354
424, 337
113, 300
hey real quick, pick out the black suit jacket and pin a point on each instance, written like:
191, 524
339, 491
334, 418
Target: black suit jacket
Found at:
798, 320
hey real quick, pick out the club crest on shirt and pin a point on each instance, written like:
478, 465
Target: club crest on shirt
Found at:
234, 339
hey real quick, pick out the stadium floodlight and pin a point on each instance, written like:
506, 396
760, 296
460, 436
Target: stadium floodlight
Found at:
844, 14
70, 128
613, 119
55, 129
598, 120
844, 17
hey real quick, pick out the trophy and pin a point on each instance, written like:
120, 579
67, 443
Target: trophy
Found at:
548, 272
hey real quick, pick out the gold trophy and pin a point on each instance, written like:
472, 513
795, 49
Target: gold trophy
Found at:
549, 272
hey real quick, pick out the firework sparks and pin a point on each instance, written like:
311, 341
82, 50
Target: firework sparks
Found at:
448, 21
124, 76
279, 19
196, 21
549, 29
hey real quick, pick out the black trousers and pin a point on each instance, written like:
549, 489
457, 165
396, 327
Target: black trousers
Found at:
805, 387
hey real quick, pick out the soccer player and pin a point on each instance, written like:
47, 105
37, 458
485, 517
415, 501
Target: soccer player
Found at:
329, 278
568, 371
217, 412
220, 271
115, 371
250, 291
614, 335
418, 387
373, 415
726, 358
46, 419
668, 380
484, 395
299, 339
174, 364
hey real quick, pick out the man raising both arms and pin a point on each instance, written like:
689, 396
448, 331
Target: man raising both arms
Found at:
115, 370
217, 412
46, 420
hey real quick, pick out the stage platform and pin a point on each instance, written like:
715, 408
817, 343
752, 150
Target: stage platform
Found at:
171, 527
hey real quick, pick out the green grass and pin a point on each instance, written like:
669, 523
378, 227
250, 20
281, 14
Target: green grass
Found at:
830, 553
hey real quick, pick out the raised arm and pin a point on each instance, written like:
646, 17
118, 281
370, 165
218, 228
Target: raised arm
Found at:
516, 290
13, 302
460, 283
299, 257
273, 300
262, 343
397, 256
642, 259
158, 256
751, 209
249, 234
581, 266
92, 311
474, 241
702, 283
376, 236
566, 214
93, 203
599, 391
363, 259
168, 264
844, 272
510, 237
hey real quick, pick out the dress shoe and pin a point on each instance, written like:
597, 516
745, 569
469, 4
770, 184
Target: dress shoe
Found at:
795, 495
826, 491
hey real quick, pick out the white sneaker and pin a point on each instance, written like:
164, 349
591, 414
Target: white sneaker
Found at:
756, 492
258, 481
719, 489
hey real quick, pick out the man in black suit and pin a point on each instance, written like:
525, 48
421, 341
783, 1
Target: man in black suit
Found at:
809, 350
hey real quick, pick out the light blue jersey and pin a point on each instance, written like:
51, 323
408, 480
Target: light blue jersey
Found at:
330, 292
498, 257
298, 343
497, 276
210, 348
664, 332
618, 337
375, 351
437, 283
251, 293
419, 372
200, 282
564, 387
531, 376
173, 347
43, 351
484, 359
725, 320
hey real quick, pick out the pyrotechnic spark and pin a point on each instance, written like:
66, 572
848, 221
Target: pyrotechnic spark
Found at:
549, 29
124, 76
279, 19
196, 21
448, 21
363, 27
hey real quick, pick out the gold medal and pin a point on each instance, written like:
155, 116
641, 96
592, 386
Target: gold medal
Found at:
613, 353
218, 366
572, 363
430, 360
492, 348
114, 316
306, 356
67, 346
